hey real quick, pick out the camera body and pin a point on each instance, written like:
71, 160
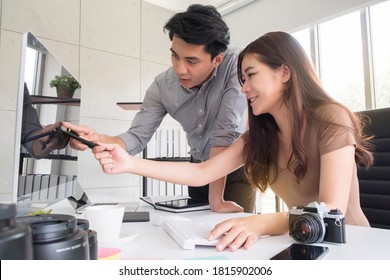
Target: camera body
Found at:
315, 223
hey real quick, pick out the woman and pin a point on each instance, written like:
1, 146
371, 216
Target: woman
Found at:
300, 142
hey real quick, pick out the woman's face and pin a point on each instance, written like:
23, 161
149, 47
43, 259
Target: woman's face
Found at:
263, 86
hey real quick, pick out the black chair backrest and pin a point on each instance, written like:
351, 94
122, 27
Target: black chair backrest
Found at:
375, 182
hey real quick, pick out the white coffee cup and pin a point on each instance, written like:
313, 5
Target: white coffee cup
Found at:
106, 220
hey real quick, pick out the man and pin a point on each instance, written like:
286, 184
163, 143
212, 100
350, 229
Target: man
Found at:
200, 91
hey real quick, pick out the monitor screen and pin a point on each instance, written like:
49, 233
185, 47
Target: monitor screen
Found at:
44, 173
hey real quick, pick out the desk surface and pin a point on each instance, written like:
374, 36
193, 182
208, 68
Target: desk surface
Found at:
153, 243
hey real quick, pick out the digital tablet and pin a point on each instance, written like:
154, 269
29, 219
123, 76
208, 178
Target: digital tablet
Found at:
182, 203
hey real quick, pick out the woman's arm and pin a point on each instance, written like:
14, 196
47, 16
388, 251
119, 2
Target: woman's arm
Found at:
336, 177
114, 159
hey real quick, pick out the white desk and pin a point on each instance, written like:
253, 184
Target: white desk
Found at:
154, 243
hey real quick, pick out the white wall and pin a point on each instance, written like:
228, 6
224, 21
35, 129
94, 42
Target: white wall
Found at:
261, 16
115, 48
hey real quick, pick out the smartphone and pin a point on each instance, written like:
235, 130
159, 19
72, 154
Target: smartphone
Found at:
301, 252
129, 217
182, 203
74, 135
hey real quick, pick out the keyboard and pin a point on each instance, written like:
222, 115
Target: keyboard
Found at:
188, 234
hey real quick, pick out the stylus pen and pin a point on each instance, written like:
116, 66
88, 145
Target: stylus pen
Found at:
35, 137
71, 131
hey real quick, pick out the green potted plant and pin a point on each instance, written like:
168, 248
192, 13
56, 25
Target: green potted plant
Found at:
65, 85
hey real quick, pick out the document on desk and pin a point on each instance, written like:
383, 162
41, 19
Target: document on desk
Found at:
176, 203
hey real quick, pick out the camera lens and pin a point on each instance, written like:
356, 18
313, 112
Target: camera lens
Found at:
307, 228
15, 239
92, 238
51, 228
56, 237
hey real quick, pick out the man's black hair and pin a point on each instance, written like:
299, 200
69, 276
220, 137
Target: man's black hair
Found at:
200, 25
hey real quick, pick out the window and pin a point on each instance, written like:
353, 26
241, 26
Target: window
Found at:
380, 21
341, 60
303, 37
352, 55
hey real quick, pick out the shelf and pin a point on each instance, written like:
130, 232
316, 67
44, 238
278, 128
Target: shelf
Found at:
129, 105
171, 159
38, 99
50, 156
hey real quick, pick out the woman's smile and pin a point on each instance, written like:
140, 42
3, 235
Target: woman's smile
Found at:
252, 99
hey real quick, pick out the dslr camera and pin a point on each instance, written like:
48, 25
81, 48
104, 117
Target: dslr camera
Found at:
315, 223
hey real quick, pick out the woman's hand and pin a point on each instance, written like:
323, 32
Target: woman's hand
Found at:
236, 233
226, 207
244, 232
113, 158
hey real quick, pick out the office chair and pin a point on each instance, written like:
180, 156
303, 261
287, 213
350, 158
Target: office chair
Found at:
375, 182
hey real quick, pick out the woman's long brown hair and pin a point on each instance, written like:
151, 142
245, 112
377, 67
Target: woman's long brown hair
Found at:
303, 94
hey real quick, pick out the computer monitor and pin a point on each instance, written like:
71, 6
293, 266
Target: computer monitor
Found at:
38, 183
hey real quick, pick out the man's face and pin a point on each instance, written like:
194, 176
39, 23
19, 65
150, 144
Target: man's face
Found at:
191, 63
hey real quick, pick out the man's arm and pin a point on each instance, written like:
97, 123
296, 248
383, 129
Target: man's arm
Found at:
216, 191
112, 139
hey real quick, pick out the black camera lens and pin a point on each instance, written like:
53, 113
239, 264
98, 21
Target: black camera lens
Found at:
15, 239
50, 228
57, 237
92, 238
307, 228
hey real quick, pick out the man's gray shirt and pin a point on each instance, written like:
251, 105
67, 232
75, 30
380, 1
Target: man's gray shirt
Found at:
211, 116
